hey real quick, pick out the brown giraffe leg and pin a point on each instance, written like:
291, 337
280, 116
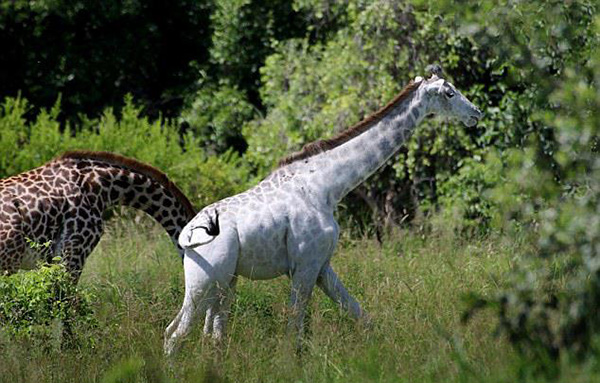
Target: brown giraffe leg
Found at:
12, 240
74, 255
12, 247
77, 244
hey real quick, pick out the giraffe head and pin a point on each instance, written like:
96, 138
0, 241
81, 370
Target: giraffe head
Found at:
445, 100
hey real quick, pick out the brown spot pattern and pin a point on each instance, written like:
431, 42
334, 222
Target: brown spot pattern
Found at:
63, 201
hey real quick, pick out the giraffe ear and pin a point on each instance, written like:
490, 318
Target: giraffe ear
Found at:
435, 70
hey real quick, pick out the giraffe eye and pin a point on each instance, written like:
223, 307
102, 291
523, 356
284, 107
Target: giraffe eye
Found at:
449, 94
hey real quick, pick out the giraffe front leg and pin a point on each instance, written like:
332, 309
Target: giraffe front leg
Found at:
303, 283
333, 287
73, 255
77, 244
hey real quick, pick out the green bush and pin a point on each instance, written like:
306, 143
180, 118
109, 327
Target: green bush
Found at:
38, 304
25, 145
550, 306
464, 198
215, 117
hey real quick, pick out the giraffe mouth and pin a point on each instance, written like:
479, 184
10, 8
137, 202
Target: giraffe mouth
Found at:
471, 121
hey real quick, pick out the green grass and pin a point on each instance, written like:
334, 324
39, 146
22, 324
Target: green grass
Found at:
412, 287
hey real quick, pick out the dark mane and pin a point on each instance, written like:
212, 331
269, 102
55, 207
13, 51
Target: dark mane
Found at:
319, 146
137, 166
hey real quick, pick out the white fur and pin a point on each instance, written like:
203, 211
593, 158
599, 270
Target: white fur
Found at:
285, 225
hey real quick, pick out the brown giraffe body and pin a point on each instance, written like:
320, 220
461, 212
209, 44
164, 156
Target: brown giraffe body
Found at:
61, 204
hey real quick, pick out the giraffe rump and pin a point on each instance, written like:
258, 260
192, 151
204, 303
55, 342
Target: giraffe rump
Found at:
313, 148
191, 238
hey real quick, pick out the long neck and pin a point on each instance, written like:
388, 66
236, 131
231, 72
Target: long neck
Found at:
106, 185
339, 170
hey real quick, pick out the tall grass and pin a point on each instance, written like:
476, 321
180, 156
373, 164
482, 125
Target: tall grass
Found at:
412, 286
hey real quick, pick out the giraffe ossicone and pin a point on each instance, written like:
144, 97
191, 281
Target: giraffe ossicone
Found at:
62, 203
285, 225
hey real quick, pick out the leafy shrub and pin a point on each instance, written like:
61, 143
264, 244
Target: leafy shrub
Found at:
215, 117
33, 303
25, 145
465, 198
550, 308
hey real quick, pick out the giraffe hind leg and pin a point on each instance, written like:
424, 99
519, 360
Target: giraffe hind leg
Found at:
217, 315
191, 311
173, 325
205, 276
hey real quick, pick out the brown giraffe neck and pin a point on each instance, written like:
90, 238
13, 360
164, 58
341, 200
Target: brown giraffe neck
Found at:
110, 180
61, 203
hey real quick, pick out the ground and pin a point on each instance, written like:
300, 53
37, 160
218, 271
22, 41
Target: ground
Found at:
413, 286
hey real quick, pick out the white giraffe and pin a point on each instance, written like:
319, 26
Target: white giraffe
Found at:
285, 225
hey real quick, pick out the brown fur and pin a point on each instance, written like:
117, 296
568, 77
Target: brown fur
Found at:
319, 146
137, 166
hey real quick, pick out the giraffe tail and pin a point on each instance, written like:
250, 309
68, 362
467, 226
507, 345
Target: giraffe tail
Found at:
201, 230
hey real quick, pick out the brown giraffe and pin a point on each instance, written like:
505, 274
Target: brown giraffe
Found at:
61, 203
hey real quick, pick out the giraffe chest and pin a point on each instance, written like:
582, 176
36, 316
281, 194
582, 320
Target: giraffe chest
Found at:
43, 217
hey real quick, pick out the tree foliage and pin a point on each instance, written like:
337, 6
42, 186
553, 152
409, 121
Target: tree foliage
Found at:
550, 307
93, 53
243, 33
215, 117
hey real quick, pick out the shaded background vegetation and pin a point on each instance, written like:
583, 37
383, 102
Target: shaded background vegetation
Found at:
261, 78
215, 92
